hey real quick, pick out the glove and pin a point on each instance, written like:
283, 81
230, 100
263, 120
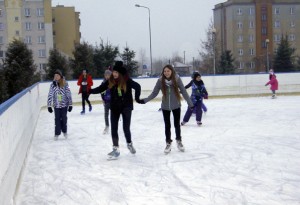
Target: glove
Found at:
140, 101
192, 108
54, 83
50, 109
205, 96
70, 108
266, 84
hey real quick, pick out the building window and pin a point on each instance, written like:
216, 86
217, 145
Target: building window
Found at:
263, 44
292, 37
264, 30
42, 53
1, 12
27, 12
292, 10
277, 37
27, 26
41, 39
239, 11
252, 64
17, 33
277, 11
240, 38
241, 52
1, 40
251, 51
41, 25
43, 66
40, 12
240, 25
28, 39
251, 38
264, 17
292, 24
277, 24
251, 11
251, 24
16, 18
2, 54
1, 26
241, 65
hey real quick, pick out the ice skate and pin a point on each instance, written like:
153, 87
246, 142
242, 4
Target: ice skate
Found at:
168, 148
65, 135
199, 123
180, 146
55, 137
131, 148
106, 130
82, 112
90, 108
114, 154
183, 123
273, 96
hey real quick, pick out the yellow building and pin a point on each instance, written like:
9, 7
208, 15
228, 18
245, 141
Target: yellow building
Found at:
40, 26
252, 29
66, 32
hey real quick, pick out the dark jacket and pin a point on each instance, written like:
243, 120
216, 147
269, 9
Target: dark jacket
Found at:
198, 90
119, 102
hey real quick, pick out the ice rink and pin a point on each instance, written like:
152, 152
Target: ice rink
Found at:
247, 152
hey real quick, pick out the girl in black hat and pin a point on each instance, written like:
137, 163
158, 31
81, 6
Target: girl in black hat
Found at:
121, 103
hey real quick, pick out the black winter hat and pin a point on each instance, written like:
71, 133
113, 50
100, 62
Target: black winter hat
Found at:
59, 73
119, 67
196, 75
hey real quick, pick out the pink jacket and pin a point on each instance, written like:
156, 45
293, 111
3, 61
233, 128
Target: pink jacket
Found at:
273, 82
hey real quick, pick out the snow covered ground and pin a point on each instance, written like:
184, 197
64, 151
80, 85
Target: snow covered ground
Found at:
246, 152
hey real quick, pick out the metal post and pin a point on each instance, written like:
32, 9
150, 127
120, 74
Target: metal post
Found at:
137, 5
267, 44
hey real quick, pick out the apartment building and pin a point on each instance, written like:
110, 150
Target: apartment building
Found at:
40, 26
252, 30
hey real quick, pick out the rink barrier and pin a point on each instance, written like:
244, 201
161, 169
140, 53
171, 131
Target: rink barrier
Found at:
18, 118
19, 115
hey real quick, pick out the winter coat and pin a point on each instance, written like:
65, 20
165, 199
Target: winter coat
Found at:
58, 96
89, 82
120, 100
106, 96
170, 101
198, 91
273, 82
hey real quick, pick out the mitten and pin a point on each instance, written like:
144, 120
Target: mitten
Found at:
70, 108
50, 109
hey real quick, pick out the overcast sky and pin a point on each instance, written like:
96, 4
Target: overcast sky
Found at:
176, 25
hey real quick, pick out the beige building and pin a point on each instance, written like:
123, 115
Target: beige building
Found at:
252, 30
66, 32
40, 26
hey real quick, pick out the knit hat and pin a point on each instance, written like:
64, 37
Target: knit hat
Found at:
107, 72
196, 75
59, 73
119, 67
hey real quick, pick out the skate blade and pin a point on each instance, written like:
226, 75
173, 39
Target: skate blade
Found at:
110, 158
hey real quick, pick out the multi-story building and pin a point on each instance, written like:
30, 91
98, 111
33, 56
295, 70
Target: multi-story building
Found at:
40, 27
66, 31
252, 29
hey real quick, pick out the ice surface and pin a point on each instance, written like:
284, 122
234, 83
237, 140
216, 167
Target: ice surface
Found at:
246, 152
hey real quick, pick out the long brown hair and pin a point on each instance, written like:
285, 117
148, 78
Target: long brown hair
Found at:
120, 82
173, 78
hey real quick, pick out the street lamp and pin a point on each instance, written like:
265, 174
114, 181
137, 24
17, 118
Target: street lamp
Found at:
213, 31
267, 44
137, 5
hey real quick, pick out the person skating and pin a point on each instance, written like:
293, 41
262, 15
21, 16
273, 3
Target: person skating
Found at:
60, 98
121, 103
198, 92
171, 86
85, 81
273, 82
106, 101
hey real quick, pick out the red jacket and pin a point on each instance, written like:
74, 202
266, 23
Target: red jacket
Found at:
273, 82
89, 82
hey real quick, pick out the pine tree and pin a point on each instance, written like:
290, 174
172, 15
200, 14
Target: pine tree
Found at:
83, 59
283, 61
226, 63
104, 56
3, 86
128, 59
57, 61
19, 68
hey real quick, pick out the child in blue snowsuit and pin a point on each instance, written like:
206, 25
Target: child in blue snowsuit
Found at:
198, 92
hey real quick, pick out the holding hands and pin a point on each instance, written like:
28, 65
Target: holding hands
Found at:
140, 101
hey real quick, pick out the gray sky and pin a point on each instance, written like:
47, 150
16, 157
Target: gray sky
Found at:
176, 25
